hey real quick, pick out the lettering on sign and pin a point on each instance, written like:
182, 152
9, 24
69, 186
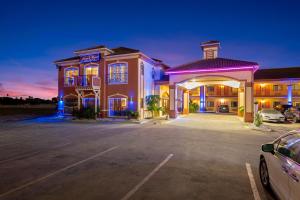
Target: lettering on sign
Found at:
90, 58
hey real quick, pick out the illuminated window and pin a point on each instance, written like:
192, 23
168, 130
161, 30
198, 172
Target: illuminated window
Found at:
296, 87
118, 73
117, 106
70, 76
210, 104
277, 88
276, 103
91, 71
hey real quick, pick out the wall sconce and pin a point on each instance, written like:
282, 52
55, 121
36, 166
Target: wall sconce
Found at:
222, 101
262, 85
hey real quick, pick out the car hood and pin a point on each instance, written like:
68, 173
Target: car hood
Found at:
272, 115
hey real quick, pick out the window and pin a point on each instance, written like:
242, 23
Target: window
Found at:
117, 106
70, 76
276, 103
118, 73
296, 87
234, 104
210, 104
277, 88
210, 88
91, 71
291, 145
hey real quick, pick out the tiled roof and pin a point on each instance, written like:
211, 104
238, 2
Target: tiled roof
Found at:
68, 59
123, 50
277, 73
91, 48
212, 64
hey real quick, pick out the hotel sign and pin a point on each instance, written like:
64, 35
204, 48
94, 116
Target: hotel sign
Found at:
90, 58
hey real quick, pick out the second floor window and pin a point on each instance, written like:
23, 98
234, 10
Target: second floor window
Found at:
118, 73
210, 88
277, 88
70, 76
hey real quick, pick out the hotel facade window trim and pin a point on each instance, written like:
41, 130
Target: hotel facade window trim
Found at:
70, 75
118, 73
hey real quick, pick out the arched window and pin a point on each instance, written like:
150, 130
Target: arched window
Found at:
118, 73
70, 76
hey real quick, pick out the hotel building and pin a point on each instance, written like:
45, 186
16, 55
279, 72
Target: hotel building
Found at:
113, 80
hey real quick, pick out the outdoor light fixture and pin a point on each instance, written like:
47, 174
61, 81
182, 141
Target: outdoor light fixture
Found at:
262, 85
222, 101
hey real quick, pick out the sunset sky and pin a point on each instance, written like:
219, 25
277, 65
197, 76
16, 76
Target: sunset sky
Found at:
35, 33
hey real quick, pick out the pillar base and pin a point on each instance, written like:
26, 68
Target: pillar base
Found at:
185, 111
173, 114
103, 114
248, 117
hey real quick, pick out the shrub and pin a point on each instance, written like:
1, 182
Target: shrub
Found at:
85, 113
152, 102
258, 120
193, 107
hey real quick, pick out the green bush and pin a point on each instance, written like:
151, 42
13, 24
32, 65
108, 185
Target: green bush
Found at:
193, 107
258, 120
152, 102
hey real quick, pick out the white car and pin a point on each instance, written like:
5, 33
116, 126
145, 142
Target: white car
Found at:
279, 166
271, 115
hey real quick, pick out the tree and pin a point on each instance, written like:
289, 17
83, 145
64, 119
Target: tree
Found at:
152, 102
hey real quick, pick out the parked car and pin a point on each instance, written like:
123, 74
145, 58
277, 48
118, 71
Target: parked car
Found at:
279, 166
223, 109
282, 107
292, 114
271, 115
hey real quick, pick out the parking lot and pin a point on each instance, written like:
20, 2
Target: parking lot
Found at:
201, 156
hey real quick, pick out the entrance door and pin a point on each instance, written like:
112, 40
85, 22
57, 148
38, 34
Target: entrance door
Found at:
117, 106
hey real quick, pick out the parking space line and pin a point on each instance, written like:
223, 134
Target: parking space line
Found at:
57, 172
252, 182
133, 190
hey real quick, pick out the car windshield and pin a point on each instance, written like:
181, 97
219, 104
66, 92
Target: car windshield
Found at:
270, 111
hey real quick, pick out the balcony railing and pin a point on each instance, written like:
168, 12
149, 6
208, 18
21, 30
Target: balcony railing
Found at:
83, 81
117, 78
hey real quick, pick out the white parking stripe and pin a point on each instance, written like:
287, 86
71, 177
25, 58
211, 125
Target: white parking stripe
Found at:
133, 190
252, 182
56, 172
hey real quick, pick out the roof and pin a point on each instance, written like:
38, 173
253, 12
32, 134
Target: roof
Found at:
277, 73
210, 42
123, 50
68, 59
91, 48
215, 63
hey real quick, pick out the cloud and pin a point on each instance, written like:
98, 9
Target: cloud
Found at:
33, 77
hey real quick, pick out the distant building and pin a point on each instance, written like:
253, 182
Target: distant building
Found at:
118, 79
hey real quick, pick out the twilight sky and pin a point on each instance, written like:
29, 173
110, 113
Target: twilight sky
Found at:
35, 33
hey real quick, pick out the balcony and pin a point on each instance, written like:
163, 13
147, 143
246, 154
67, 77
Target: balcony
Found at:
83, 82
117, 78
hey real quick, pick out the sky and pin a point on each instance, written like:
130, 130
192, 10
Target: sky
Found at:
33, 34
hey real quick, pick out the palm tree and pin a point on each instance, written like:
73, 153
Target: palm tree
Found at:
152, 102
